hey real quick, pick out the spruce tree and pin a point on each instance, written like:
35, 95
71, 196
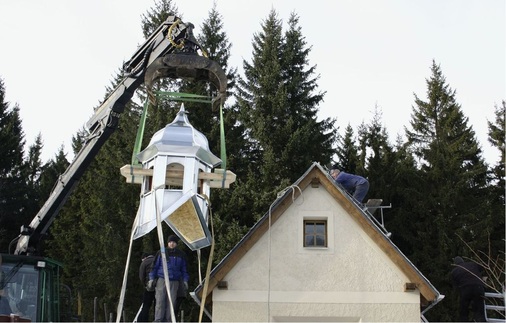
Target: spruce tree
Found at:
406, 199
50, 172
379, 158
156, 15
301, 128
261, 96
496, 136
346, 151
32, 168
33, 163
278, 102
453, 183
495, 227
13, 191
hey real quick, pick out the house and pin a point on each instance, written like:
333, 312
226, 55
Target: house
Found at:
316, 256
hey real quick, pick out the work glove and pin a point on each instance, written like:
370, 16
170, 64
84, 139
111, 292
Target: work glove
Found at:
151, 285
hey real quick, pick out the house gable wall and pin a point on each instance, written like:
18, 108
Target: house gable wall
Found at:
280, 280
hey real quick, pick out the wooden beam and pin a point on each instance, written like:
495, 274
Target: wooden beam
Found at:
135, 175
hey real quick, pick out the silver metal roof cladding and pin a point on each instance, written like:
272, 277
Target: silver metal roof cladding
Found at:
180, 138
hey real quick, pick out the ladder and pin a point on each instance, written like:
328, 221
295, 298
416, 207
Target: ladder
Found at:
501, 309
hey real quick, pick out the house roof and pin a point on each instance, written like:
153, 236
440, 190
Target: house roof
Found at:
317, 175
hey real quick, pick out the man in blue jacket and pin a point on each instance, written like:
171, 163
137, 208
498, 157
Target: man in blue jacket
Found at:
178, 278
356, 185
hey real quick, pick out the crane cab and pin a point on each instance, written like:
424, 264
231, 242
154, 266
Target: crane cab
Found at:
29, 289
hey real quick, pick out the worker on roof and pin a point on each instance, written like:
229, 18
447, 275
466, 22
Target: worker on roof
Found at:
357, 186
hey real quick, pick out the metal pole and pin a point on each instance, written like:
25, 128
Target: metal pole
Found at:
95, 309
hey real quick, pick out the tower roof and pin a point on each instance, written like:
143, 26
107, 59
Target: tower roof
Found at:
180, 133
180, 138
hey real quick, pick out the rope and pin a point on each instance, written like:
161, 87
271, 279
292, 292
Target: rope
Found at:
209, 264
125, 275
164, 257
199, 255
280, 194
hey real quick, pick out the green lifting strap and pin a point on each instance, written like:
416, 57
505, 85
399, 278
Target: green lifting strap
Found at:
177, 96
140, 134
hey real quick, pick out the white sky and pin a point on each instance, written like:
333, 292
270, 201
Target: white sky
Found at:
58, 56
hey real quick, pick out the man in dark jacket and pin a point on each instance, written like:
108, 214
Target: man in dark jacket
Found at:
148, 297
467, 278
178, 275
356, 185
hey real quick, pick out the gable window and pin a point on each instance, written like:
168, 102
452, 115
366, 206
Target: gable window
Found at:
315, 233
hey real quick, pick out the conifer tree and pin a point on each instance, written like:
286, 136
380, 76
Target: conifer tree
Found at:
12, 184
346, 151
260, 112
32, 169
50, 172
379, 158
495, 228
405, 198
496, 136
453, 183
363, 136
278, 103
34, 164
301, 129
215, 41
156, 15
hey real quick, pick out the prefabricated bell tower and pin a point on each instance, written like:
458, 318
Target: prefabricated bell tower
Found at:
177, 178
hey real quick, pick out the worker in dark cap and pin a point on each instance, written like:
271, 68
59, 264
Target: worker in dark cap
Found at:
178, 278
467, 278
357, 186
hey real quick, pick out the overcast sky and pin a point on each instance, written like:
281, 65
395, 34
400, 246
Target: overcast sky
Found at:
58, 56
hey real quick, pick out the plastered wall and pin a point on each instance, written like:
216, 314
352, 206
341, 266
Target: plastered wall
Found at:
349, 280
